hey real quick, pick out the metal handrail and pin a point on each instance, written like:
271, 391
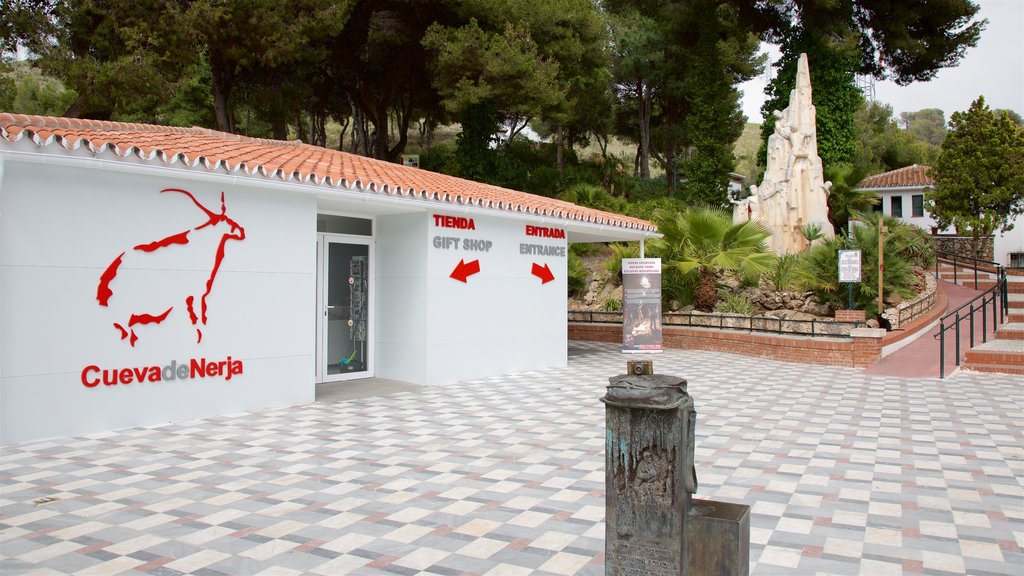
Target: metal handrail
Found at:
997, 296
739, 322
975, 265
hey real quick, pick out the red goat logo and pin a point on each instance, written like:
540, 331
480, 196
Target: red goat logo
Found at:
104, 292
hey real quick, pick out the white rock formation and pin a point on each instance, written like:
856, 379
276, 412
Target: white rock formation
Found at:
793, 192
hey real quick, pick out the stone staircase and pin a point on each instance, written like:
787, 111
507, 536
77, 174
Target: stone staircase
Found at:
1004, 351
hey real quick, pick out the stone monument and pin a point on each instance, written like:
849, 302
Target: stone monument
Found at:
793, 192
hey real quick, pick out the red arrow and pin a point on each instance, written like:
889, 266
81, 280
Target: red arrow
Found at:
464, 270
544, 273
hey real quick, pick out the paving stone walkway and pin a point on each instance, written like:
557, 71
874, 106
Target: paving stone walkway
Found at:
846, 473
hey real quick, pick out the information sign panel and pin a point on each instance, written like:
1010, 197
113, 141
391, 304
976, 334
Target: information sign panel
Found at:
641, 305
849, 266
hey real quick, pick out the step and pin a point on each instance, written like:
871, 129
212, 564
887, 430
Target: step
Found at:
1015, 318
1011, 331
996, 353
1015, 301
994, 368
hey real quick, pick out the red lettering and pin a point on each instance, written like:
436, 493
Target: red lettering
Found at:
125, 376
442, 221
109, 377
544, 231
198, 367
85, 376
222, 367
154, 374
140, 374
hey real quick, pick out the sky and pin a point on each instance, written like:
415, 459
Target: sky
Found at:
993, 69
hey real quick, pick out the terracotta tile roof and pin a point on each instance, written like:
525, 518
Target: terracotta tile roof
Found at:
201, 148
908, 176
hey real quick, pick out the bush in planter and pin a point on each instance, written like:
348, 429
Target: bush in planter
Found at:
818, 269
702, 243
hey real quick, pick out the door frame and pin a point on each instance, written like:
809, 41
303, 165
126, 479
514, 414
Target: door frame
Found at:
323, 242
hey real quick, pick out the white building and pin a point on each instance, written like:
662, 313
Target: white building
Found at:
902, 196
153, 274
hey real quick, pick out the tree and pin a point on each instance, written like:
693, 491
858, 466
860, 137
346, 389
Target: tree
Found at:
908, 41
928, 125
121, 57
845, 201
377, 72
709, 54
882, 146
637, 60
262, 50
979, 178
704, 242
487, 79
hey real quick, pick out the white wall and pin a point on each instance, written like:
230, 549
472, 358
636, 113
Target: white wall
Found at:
925, 222
1004, 243
502, 319
63, 226
401, 297
1009, 242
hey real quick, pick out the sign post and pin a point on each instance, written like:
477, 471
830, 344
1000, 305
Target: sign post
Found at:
849, 272
641, 305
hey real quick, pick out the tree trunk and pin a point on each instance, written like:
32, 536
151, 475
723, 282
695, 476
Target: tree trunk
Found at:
403, 116
379, 148
280, 130
670, 167
360, 139
560, 156
644, 146
706, 295
344, 128
220, 86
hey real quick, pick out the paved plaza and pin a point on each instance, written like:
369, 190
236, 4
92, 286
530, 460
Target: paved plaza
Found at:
846, 473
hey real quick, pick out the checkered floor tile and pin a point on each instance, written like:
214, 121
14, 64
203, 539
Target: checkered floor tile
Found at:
845, 474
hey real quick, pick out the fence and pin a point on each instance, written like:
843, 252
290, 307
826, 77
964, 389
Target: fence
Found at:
996, 296
739, 322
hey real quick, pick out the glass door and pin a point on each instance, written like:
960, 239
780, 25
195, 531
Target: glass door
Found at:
345, 335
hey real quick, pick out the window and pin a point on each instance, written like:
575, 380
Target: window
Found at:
344, 225
896, 207
917, 205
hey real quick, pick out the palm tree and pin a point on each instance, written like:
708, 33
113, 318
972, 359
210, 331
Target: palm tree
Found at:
703, 241
844, 200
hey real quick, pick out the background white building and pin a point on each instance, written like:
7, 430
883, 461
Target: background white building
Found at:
902, 196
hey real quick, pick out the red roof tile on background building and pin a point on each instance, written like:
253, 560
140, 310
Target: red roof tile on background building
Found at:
915, 175
275, 159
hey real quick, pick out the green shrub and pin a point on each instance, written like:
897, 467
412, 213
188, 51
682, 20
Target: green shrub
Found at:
818, 269
612, 304
584, 248
579, 275
731, 303
812, 231
614, 263
436, 157
912, 244
784, 275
